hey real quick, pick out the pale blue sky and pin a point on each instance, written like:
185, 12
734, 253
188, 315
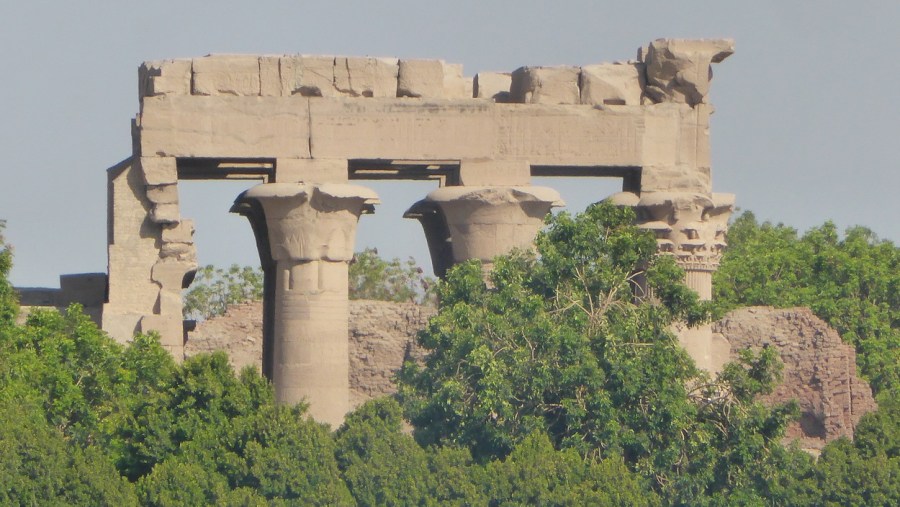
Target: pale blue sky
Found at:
805, 128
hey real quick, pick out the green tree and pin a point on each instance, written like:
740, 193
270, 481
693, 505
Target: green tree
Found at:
559, 344
8, 301
853, 283
39, 466
213, 289
383, 466
372, 277
535, 473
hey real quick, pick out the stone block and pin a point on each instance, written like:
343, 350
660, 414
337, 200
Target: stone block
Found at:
433, 79
308, 76
305, 170
165, 214
612, 84
178, 251
159, 170
366, 77
492, 85
120, 327
679, 70
170, 329
561, 135
486, 172
420, 78
163, 194
88, 289
222, 127
456, 86
226, 75
164, 77
545, 85
270, 76
182, 232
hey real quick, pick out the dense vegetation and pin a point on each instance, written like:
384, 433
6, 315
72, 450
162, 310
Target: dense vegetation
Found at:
549, 386
851, 282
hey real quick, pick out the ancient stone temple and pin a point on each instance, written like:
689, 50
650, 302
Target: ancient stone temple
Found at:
310, 128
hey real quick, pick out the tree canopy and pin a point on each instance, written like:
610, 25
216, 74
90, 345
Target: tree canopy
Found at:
850, 281
551, 384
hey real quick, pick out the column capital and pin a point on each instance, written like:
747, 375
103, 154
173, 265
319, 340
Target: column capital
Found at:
482, 222
309, 222
689, 226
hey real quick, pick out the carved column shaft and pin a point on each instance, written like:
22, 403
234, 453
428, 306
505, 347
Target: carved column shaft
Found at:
690, 227
311, 231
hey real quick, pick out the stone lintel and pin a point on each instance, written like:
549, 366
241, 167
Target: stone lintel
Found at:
305, 170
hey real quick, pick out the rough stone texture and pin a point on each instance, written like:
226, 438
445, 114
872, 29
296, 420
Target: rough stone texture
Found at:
679, 70
382, 336
620, 84
492, 85
545, 85
434, 79
226, 75
819, 369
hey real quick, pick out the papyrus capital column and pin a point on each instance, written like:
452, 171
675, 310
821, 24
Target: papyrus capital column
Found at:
690, 227
463, 223
310, 231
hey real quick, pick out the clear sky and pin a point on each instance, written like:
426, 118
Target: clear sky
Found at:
805, 130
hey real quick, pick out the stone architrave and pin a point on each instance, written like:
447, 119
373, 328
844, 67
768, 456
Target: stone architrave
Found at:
311, 231
463, 223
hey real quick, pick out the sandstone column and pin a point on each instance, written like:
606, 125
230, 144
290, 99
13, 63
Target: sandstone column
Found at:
311, 231
690, 227
464, 222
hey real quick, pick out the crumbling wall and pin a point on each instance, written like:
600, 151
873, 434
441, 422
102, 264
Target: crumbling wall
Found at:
382, 336
819, 369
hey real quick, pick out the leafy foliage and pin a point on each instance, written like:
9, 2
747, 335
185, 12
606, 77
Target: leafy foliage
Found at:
372, 277
853, 283
553, 386
559, 344
213, 289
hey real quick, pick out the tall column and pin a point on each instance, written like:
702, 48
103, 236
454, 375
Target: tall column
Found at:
690, 227
310, 232
464, 222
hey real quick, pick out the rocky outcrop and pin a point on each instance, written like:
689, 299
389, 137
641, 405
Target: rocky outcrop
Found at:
819, 369
382, 336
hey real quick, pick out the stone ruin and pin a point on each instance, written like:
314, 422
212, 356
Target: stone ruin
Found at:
310, 127
819, 368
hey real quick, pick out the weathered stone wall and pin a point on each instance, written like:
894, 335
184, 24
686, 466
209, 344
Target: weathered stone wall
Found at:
382, 336
819, 369
87, 289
